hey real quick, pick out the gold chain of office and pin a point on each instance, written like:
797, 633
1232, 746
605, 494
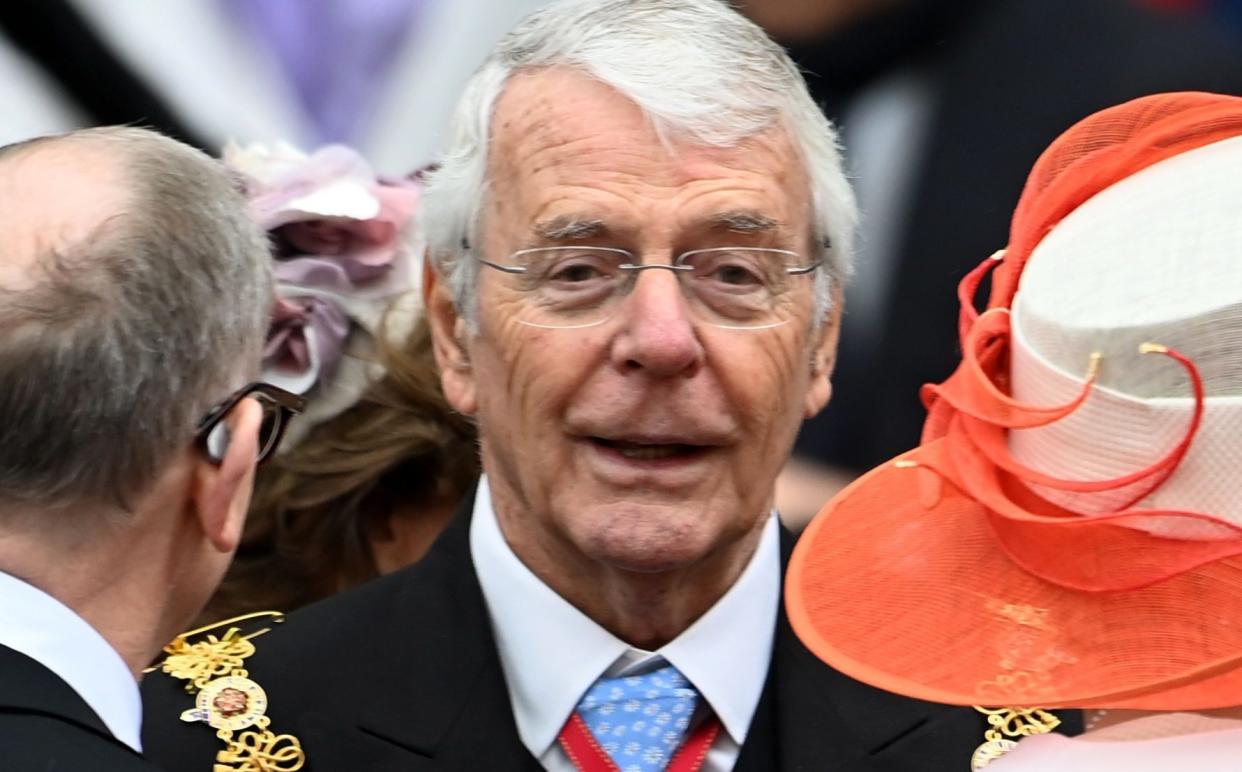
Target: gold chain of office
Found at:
1005, 727
227, 700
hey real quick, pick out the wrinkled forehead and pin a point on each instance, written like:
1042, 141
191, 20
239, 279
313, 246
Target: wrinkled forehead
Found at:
559, 128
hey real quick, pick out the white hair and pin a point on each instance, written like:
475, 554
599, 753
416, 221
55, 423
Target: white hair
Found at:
697, 68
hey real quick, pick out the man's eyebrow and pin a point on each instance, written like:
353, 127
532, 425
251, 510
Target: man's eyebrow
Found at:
569, 227
743, 222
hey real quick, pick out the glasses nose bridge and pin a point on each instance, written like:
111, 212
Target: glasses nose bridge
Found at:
634, 271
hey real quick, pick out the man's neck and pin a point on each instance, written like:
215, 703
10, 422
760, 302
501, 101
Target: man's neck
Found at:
646, 610
124, 608
129, 620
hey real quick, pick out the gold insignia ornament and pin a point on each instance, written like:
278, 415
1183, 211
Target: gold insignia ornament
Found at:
990, 751
1006, 727
231, 702
227, 700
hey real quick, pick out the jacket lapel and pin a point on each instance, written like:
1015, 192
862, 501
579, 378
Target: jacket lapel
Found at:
812, 717
443, 703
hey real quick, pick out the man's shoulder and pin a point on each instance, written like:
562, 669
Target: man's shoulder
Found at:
36, 742
327, 648
417, 606
355, 630
45, 725
355, 618
398, 639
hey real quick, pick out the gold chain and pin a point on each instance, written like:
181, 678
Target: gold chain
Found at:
227, 700
1007, 726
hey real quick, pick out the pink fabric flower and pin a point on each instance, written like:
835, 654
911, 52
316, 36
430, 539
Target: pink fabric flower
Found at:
340, 260
306, 339
364, 248
329, 204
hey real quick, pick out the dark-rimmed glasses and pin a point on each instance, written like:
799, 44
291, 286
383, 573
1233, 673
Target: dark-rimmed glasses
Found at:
744, 288
279, 406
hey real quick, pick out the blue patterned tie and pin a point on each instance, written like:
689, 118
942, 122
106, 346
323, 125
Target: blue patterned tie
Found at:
640, 720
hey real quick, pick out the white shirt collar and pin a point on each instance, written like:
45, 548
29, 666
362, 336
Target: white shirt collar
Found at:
49, 632
551, 652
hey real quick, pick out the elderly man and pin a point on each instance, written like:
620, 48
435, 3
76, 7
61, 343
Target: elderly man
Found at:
638, 236
134, 295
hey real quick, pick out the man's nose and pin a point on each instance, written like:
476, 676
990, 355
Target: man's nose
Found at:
658, 334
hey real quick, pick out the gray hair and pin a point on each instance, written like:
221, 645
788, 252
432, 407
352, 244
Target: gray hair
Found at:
126, 338
696, 67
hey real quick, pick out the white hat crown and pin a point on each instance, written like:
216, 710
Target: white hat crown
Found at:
1156, 257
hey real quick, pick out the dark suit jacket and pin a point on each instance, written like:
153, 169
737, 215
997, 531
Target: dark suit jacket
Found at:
403, 674
46, 727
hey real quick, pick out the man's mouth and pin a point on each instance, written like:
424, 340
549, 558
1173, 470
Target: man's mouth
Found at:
650, 451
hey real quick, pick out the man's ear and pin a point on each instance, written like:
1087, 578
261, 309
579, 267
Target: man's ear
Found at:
824, 358
222, 491
449, 336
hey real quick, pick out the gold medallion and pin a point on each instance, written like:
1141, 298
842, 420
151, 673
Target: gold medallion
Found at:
228, 701
231, 702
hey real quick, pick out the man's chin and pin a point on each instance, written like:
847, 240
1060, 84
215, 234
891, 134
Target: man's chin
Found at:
648, 541
648, 564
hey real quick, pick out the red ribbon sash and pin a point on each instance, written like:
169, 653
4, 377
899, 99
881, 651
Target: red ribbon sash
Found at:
587, 755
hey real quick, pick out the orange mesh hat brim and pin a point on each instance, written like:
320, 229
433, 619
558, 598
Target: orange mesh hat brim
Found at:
942, 575
901, 582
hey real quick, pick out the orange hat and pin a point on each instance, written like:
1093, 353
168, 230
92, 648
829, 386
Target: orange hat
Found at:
1069, 531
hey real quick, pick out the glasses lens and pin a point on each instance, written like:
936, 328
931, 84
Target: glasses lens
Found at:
567, 286
270, 428
729, 287
744, 288
217, 442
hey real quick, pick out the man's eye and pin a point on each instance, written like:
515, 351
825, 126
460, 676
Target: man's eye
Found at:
736, 275
575, 273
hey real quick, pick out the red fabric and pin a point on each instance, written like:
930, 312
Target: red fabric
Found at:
587, 756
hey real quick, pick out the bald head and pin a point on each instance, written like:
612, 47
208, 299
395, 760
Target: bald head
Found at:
134, 293
58, 193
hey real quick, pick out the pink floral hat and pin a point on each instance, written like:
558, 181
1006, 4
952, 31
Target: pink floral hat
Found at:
343, 257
